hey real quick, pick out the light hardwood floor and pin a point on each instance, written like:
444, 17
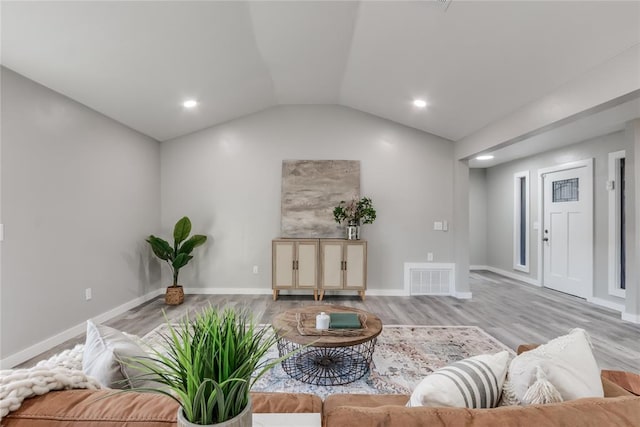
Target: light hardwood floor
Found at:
511, 311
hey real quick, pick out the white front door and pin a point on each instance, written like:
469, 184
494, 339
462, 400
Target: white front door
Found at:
567, 232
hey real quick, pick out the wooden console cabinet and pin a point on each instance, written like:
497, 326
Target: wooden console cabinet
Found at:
319, 265
294, 265
343, 265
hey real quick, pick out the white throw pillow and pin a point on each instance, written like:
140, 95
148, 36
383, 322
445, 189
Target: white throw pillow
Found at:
567, 363
107, 357
475, 382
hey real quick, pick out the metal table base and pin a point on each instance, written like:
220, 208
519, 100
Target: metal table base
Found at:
327, 365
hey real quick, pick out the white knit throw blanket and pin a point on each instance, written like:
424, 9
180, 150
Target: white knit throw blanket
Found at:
61, 372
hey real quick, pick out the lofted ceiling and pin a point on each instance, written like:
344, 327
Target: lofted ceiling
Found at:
474, 62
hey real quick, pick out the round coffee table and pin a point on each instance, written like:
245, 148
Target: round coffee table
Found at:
336, 357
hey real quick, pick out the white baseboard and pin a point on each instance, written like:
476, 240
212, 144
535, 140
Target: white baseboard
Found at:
231, 291
512, 275
462, 295
29, 352
478, 267
108, 315
633, 318
605, 303
269, 291
387, 292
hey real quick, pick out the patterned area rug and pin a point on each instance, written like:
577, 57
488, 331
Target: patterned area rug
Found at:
403, 356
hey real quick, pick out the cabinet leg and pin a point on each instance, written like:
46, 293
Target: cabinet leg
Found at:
361, 294
321, 294
315, 295
275, 294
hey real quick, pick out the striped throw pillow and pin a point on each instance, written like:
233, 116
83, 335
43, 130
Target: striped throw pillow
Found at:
470, 383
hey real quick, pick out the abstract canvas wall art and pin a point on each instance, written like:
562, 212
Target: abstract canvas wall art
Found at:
310, 191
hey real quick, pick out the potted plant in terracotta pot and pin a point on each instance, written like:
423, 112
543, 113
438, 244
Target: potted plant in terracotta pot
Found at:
354, 213
208, 364
176, 256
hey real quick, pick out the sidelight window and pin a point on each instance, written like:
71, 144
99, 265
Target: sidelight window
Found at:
521, 221
617, 224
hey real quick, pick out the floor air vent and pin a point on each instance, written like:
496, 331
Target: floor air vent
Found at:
429, 278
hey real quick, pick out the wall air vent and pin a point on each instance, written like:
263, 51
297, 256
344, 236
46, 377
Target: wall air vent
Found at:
429, 278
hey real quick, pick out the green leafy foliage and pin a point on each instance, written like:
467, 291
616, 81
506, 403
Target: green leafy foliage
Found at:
193, 242
355, 212
210, 363
180, 261
180, 254
181, 230
160, 247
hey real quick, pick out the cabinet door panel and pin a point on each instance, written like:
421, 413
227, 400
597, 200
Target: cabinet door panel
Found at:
356, 276
331, 265
283, 256
307, 265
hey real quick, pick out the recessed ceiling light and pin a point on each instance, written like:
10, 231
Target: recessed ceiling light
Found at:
190, 103
485, 157
420, 103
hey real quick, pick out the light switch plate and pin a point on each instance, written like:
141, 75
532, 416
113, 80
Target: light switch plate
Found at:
437, 225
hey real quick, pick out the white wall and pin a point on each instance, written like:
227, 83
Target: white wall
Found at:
632, 194
227, 179
477, 217
500, 206
79, 195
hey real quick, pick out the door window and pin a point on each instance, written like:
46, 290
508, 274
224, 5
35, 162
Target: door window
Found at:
565, 190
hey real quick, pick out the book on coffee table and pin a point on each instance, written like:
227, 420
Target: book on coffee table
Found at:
344, 321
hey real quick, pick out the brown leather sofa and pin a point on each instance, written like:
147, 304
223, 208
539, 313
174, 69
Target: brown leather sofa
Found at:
618, 408
84, 408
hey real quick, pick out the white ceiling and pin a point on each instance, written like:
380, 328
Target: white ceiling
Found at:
601, 123
474, 63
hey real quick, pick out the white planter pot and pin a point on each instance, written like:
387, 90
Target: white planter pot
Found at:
244, 419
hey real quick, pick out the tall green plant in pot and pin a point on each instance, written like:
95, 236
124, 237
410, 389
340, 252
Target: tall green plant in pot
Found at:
209, 364
176, 256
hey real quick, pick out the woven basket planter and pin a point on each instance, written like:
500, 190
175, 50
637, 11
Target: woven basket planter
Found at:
174, 295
